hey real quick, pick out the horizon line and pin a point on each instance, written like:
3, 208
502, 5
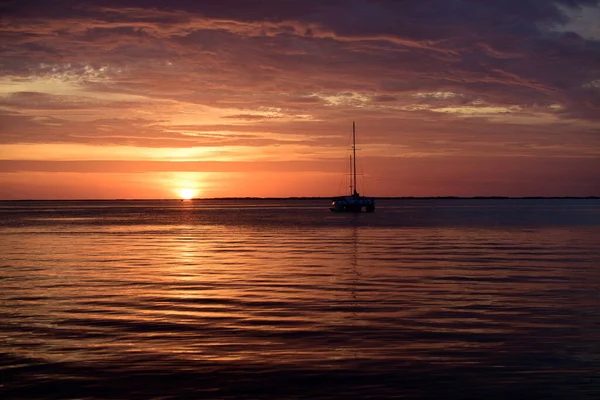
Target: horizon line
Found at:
319, 198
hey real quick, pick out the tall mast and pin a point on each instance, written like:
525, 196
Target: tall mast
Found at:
351, 183
354, 156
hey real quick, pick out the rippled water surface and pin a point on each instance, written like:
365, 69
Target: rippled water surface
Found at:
284, 299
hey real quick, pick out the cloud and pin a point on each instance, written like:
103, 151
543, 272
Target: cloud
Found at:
251, 117
422, 78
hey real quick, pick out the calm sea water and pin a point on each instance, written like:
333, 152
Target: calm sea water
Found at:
487, 299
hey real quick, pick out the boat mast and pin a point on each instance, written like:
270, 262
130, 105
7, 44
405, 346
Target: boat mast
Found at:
354, 156
351, 183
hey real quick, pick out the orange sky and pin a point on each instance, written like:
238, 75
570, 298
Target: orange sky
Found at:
135, 99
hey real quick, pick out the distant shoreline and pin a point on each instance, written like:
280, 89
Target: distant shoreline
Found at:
329, 198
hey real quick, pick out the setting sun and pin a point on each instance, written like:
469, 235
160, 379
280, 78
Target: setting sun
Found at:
186, 193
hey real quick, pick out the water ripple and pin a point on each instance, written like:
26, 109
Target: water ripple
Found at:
464, 299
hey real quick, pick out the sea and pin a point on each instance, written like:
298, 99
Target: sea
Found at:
283, 299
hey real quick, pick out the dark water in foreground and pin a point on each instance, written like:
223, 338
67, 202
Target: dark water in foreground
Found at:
485, 299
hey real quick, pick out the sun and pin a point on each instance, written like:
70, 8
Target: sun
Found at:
186, 193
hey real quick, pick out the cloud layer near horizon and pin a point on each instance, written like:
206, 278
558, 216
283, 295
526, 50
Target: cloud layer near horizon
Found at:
509, 91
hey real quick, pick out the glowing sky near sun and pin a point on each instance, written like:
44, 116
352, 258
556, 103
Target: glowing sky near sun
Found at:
159, 99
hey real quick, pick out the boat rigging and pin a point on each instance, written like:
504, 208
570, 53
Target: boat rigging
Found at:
354, 202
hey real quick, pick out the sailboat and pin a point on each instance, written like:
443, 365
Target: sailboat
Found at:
352, 202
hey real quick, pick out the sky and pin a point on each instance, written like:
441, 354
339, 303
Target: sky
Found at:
151, 99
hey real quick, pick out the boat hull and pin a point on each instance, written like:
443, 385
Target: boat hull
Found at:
352, 204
